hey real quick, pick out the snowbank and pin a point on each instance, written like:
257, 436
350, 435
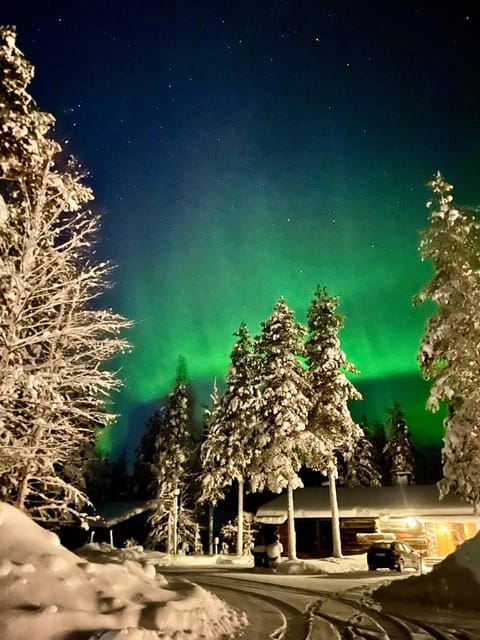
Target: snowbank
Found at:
103, 552
324, 566
453, 583
48, 592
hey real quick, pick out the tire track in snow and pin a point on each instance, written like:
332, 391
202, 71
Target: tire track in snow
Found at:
327, 616
270, 616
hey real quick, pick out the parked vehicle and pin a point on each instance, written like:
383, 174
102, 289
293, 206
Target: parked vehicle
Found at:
396, 556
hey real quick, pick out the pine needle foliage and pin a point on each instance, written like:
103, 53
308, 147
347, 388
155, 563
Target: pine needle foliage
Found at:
450, 349
172, 521
358, 467
227, 450
143, 469
399, 451
331, 390
281, 440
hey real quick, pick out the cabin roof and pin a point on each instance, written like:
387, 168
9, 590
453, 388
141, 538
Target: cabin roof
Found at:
109, 514
366, 502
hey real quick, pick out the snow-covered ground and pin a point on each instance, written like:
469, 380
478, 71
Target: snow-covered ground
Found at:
453, 584
103, 552
48, 592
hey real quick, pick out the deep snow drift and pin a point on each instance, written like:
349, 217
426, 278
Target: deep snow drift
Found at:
48, 592
454, 583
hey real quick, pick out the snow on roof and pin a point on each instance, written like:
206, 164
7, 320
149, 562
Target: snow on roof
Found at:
365, 502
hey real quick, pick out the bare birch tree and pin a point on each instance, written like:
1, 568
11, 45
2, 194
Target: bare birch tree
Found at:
54, 337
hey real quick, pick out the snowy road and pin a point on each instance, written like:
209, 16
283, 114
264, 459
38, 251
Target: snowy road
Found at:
283, 607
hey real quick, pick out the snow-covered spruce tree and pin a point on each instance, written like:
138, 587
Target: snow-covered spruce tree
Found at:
226, 453
120, 479
360, 469
171, 521
282, 443
143, 470
212, 479
54, 338
377, 436
399, 452
229, 533
450, 349
330, 390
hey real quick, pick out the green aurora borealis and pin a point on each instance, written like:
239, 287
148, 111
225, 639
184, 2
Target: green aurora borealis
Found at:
241, 153
234, 261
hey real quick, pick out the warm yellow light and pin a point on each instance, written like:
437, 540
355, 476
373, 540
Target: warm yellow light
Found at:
443, 528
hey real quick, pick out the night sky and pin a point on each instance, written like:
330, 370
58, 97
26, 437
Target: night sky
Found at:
241, 151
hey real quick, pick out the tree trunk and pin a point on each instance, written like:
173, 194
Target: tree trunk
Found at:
175, 522
210, 529
22, 493
240, 518
169, 533
23, 490
332, 490
292, 539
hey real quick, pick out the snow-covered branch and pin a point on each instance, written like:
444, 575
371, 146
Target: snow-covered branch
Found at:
54, 345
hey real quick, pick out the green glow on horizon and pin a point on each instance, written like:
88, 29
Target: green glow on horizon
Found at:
227, 259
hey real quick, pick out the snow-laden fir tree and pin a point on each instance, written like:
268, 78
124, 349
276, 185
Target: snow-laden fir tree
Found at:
282, 443
171, 521
226, 452
364, 468
360, 468
99, 486
54, 336
211, 475
229, 533
450, 349
143, 469
377, 436
330, 419
399, 452
120, 478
